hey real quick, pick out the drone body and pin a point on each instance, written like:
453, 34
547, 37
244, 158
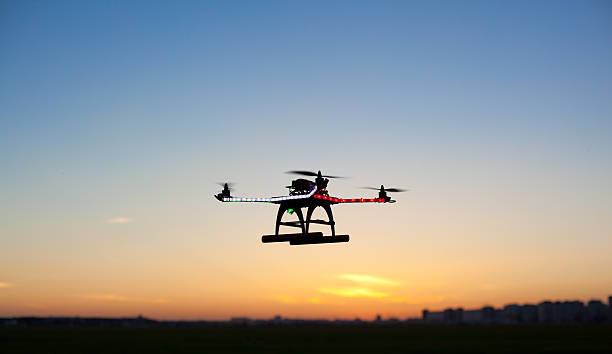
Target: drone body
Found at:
304, 193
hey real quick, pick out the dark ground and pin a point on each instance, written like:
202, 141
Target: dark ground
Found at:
310, 339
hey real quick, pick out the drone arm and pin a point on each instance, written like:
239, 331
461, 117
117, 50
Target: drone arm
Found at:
353, 200
268, 200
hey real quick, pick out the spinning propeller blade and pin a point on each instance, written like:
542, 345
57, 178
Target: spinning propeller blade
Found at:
393, 190
311, 174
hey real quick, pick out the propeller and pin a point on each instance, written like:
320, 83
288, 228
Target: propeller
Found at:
226, 190
227, 186
311, 174
392, 190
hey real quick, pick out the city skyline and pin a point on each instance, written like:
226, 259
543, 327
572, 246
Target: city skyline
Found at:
544, 312
119, 118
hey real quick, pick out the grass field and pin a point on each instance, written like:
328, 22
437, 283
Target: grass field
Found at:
309, 339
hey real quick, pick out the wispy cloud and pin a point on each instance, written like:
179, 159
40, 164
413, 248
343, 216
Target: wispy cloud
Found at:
313, 300
369, 279
316, 300
119, 220
119, 298
363, 288
5, 285
354, 292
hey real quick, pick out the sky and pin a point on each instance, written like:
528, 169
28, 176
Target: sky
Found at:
117, 118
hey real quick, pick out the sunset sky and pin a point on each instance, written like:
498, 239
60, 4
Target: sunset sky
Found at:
117, 118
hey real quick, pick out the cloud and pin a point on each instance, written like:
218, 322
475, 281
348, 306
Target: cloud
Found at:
119, 220
313, 300
119, 298
319, 301
5, 285
354, 292
368, 279
363, 288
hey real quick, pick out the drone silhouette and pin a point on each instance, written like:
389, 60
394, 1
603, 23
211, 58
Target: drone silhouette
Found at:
304, 193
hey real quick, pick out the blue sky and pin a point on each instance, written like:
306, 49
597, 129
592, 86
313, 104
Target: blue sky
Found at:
109, 87
490, 111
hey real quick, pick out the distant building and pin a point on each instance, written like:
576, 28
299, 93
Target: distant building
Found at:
459, 315
597, 311
512, 313
499, 316
472, 316
240, 321
448, 316
488, 314
433, 317
570, 311
453, 316
545, 312
529, 314
9, 322
557, 311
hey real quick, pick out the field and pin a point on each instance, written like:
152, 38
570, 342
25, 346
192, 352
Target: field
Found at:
310, 339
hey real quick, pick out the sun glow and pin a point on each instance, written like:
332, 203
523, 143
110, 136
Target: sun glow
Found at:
369, 279
354, 292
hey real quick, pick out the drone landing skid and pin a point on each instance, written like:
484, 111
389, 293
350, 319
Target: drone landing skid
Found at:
311, 240
288, 237
305, 238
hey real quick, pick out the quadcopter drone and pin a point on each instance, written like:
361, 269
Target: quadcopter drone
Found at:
304, 193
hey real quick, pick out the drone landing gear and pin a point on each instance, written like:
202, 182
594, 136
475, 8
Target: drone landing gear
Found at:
288, 237
330, 216
279, 216
311, 240
305, 237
